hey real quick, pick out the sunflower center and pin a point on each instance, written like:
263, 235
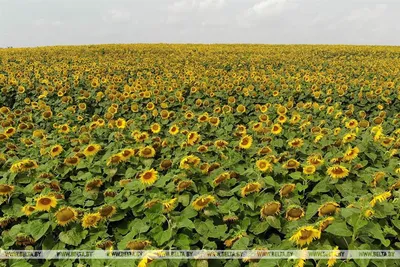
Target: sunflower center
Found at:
328, 209
65, 215
5, 188
147, 176
305, 234
45, 201
91, 148
295, 213
245, 142
106, 211
337, 170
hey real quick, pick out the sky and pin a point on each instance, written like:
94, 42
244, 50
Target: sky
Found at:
30, 23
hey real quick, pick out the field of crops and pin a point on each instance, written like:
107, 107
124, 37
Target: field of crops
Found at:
200, 147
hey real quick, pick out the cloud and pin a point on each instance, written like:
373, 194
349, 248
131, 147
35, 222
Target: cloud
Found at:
367, 14
117, 15
190, 5
268, 8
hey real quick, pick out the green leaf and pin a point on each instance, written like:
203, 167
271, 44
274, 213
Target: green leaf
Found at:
259, 227
37, 229
241, 244
183, 222
182, 241
312, 208
73, 237
162, 236
338, 228
376, 232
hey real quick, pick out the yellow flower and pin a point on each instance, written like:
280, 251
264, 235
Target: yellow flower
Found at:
56, 150
192, 138
174, 129
6, 189
328, 208
107, 211
138, 244
264, 165
309, 169
250, 188
149, 177
349, 137
369, 213
333, 257
222, 177
325, 223
169, 205
114, 159
338, 172
270, 209
380, 198
351, 154
28, 209
276, 129
286, 189
91, 220
189, 162
66, 215
291, 164
246, 142
296, 142
294, 213
45, 203
305, 235
147, 152
202, 202
91, 150
72, 161
121, 123
315, 160
155, 128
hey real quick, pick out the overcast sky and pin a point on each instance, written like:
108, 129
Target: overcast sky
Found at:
60, 22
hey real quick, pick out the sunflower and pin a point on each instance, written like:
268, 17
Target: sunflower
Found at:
138, 244
72, 161
93, 184
189, 162
23, 165
309, 169
286, 189
127, 153
305, 235
291, 164
202, 202
351, 154
147, 152
276, 129
66, 215
250, 188
174, 129
155, 128
380, 198
338, 172
114, 159
296, 143
220, 144
270, 209
328, 208
192, 138
107, 211
246, 142
294, 213
169, 205
121, 123
148, 177
6, 190
315, 160
90, 220
222, 177
28, 209
45, 203
369, 213
91, 150
325, 223
349, 137
378, 176
182, 185
64, 129
264, 165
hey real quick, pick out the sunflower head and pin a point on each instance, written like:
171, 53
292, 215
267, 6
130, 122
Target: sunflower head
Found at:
6, 189
286, 189
91, 150
270, 209
147, 152
338, 171
328, 208
294, 213
28, 209
246, 142
305, 235
107, 211
66, 215
149, 177
90, 220
250, 188
325, 223
45, 203
138, 244
202, 202
264, 165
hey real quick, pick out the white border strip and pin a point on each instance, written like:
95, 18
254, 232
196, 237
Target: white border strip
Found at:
199, 254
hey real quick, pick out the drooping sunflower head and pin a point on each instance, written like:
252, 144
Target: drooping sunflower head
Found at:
250, 188
114, 159
24, 240
222, 177
338, 171
315, 159
182, 185
305, 235
165, 164
90, 220
169, 205
149, 177
45, 203
380, 198
202, 202
93, 184
138, 244
66, 215
296, 143
28, 209
291, 164
328, 208
6, 189
286, 189
230, 218
309, 169
270, 209
377, 177
325, 223
72, 161
127, 153
294, 213
107, 211
105, 244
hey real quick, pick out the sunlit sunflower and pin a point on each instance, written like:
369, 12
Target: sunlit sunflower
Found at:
309, 169
378, 176
169, 205
328, 208
45, 203
380, 198
28, 209
138, 244
66, 215
147, 152
276, 129
93, 184
174, 129
121, 123
325, 223
90, 220
305, 235
202, 202
264, 165
296, 143
155, 128
349, 137
294, 213
338, 172
192, 138
351, 154
222, 177
91, 150
182, 185
114, 159
270, 209
72, 161
149, 177
56, 150
291, 164
250, 188
246, 142
189, 162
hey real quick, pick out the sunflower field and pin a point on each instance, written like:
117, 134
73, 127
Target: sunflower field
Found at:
228, 147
